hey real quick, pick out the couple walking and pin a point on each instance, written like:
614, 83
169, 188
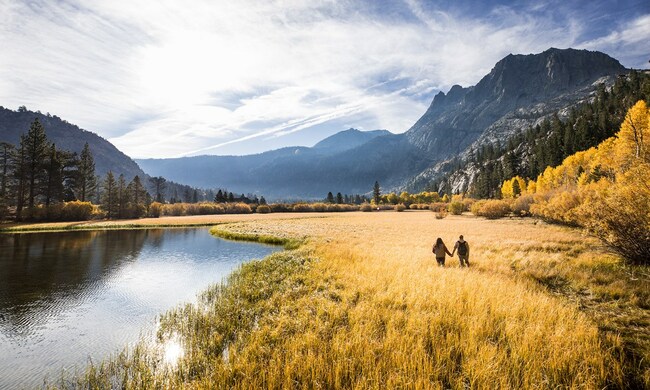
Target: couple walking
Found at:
439, 249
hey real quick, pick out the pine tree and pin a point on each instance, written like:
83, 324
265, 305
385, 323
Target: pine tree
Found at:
376, 192
36, 151
110, 202
262, 200
7, 156
53, 184
122, 197
231, 197
339, 198
159, 184
330, 197
137, 197
219, 198
86, 181
20, 179
516, 188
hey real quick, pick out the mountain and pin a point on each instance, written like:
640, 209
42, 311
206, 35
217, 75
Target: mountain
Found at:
69, 137
348, 139
519, 92
349, 161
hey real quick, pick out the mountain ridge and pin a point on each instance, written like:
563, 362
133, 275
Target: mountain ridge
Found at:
70, 137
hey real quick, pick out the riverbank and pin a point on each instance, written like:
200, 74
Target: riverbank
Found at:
146, 223
362, 304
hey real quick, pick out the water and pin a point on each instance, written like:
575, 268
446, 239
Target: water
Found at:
68, 298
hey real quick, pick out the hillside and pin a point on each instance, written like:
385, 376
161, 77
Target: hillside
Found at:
348, 139
69, 137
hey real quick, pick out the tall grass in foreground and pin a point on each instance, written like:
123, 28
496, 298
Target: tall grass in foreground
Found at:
362, 305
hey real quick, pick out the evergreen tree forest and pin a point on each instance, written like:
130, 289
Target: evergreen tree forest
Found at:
39, 181
528, 153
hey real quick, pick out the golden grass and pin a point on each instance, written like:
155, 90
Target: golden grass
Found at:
166, 221
362, 305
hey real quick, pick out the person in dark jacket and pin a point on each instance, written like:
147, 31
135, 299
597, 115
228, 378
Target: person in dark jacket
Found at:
463, 251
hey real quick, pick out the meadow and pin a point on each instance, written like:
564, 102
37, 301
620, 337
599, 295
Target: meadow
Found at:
360, 303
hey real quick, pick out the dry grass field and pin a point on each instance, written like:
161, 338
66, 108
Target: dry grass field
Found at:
362, 304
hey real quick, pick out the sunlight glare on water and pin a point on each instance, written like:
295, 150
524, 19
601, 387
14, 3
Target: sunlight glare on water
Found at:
172, 351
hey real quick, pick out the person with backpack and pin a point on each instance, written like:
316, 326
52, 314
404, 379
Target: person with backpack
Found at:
463, 251
439, 249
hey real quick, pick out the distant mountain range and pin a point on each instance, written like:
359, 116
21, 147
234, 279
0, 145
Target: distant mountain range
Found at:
520, 91
348, 161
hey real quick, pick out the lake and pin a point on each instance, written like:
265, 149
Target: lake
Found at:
71, 297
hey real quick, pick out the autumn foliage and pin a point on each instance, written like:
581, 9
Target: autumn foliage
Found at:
605, 189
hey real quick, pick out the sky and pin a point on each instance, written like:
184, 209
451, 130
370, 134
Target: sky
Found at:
162, 78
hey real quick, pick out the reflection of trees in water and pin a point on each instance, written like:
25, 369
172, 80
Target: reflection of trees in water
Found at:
41, 273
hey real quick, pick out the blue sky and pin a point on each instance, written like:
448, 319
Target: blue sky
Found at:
174, 78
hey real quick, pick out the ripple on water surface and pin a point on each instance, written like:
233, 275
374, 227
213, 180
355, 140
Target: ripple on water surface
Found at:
69, 297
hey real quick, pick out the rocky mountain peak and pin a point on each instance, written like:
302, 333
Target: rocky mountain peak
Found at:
457, 119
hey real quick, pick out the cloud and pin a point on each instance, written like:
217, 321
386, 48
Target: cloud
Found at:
173, 78
628, 43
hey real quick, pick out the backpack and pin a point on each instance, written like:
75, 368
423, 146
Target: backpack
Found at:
462, 248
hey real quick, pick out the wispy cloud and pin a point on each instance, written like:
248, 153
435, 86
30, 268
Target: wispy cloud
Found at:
176, 78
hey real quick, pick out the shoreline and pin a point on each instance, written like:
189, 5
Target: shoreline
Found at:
362, 285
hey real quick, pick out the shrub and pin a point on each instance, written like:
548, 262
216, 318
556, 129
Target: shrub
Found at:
438, 207
77, 211
280, 207
620, 217
301, 208
400, 207
558, 207
475, 208
521, 205
319, 207
155, 209
176, 209
467, 203
493, 209
365, 207
238, 208
456, 208
441, 214
263, 209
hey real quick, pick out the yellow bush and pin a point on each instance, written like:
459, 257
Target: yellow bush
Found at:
238, 208
400, 207
620, 216
456, 208
263, 209
438, 206
77, 211
365, 207
492, 209
155, 209
521, 205
176, 209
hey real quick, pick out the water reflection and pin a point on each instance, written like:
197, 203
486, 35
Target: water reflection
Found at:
67, 297
41, 270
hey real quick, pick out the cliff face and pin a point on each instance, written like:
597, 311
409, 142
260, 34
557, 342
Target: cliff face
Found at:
528, 86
